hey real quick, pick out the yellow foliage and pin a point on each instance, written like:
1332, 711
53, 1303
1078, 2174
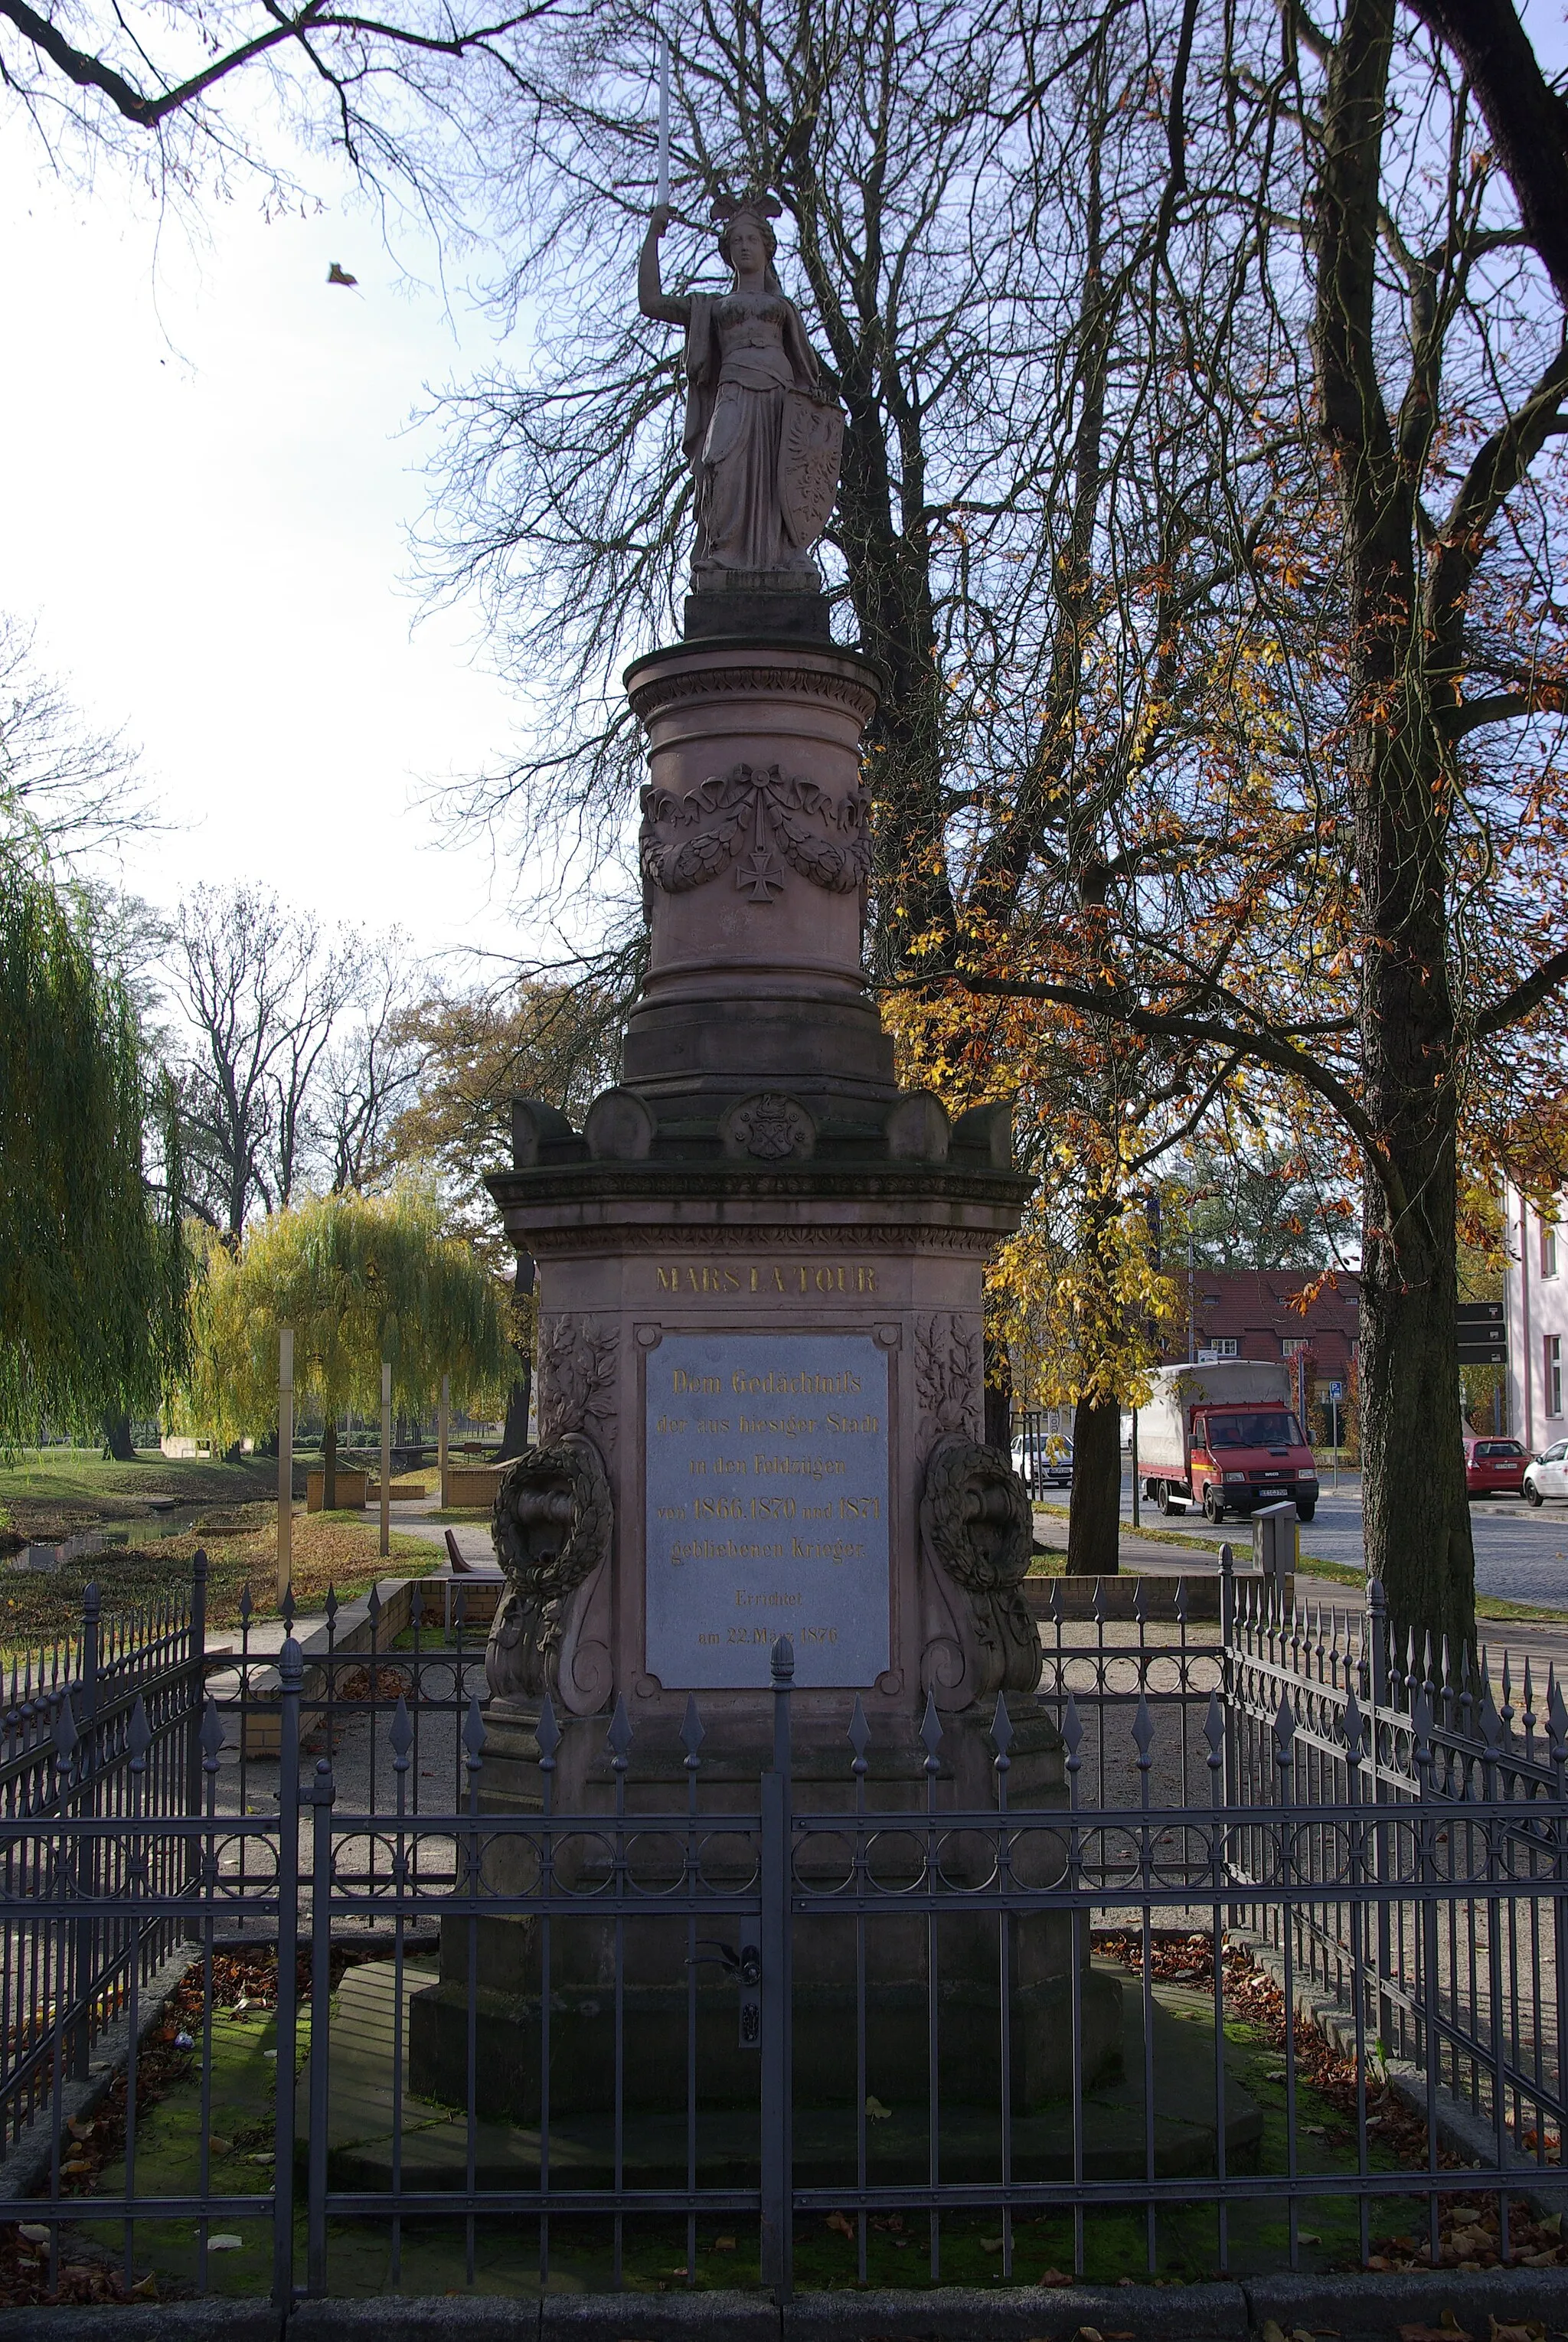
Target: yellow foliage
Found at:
359, 1278
1083, 1322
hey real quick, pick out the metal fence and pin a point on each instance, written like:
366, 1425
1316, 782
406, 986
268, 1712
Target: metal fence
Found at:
97, 1727
686, 2012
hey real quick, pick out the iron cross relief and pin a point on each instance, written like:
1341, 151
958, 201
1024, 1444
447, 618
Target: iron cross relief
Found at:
760, 876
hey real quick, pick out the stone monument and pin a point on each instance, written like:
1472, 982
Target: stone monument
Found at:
760, 1362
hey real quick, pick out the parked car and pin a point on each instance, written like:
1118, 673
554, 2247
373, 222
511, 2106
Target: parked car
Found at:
1548, 1475
1493, 1468
1044, 1459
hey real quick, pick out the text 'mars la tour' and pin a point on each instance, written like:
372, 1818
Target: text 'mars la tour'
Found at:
769, 1277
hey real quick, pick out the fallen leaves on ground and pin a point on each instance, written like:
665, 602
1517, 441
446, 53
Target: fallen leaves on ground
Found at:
1470, 2239
245, 1984
1468, 2234
336, 1551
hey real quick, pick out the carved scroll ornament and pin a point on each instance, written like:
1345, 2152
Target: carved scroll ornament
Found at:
690, 840
976, 1533
552, 1528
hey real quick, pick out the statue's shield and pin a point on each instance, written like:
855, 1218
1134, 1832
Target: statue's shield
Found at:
811, 449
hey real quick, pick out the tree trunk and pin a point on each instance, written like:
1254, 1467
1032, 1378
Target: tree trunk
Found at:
117, 1444
998, 1397
885, 531
1094, 1515
1416, 1519
329, 1464
1415, 1512
515, 1434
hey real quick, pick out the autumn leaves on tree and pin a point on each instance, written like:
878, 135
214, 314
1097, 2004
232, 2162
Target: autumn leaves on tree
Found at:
1201, 500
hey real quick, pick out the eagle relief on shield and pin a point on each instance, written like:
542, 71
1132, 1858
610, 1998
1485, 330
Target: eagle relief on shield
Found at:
811, 449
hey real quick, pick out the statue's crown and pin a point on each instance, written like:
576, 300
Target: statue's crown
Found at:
761, 205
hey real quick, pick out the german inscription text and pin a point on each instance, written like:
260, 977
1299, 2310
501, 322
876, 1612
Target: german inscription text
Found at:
768, 1497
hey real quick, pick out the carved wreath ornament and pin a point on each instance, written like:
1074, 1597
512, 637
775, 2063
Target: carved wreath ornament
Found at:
976, 1531
552, 1528
751, 811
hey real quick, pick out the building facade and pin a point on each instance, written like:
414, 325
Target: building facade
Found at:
1266, 1313
1248, 1313
1535, 1299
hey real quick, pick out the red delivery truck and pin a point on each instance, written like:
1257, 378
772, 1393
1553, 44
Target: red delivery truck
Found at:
1224, 1436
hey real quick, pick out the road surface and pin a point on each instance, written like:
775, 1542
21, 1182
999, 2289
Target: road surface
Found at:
1521, 1555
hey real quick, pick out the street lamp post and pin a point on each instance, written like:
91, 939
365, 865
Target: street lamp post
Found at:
285, 1461
386, 1457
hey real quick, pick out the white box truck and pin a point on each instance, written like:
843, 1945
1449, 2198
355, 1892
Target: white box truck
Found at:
1224, 1436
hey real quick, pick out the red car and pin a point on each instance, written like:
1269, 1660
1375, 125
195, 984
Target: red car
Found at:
1495, 1468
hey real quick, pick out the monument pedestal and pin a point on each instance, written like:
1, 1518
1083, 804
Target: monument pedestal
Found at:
655, 1994
760, 1376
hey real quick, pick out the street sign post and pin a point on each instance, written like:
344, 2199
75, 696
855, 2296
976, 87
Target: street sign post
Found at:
1483, 1334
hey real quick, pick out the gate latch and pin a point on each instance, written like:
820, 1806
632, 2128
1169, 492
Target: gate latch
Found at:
745, 1964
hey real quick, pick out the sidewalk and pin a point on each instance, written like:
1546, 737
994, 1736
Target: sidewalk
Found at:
473, 1539
1152, 1557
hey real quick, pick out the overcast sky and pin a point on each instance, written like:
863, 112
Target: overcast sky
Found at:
209, 475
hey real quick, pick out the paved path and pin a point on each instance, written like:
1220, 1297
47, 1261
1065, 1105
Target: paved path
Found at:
472, 1537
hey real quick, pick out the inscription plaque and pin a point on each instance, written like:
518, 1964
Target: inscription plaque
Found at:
767, 1499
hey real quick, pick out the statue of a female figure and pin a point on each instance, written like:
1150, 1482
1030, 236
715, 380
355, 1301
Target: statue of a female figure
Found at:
763, 438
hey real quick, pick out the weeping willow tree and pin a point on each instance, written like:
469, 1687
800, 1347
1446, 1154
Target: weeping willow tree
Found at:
362, 1279
92, 1267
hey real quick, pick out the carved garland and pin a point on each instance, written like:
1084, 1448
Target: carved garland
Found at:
578, 1366
759, 803
949, 1368
552, 1527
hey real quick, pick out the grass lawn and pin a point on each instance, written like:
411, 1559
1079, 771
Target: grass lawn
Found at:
1116, 2239
230, 1510
48, 1492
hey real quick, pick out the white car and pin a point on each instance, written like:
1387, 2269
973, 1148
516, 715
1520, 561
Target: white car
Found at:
1044, 1462
1548, 1475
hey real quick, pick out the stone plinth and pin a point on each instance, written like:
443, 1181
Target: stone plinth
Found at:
653, 2070
755, 854
761, 1400
763, 605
